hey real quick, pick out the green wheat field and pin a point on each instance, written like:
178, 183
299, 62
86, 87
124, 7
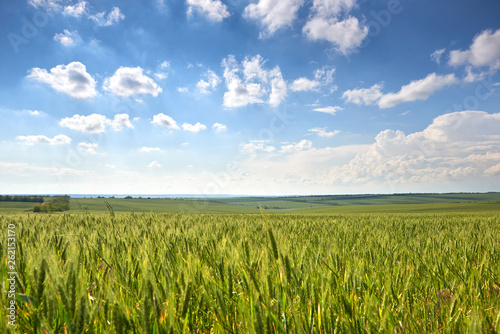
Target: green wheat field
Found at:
97, 269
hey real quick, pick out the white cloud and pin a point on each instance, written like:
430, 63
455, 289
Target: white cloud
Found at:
89, 148
48, 5
161, 76
194, 127
129, 81
71, 79
325, 74
321, 132
346, 35
218, 127
272, 14
44, 140
183, 89
304, 84
26, 169
459, 146
436, 55
417, 90
279, 88
76, 10
366, 96
457, 152
36, 113
154, 164
322, 77
121, 121
150, 149
256, 83
165, 121
258, 145
484, 51
474, 76
329, 110
103, 20
214, 10
66, 38
206, 87
164, 65
300, 146
94, 123
333, 7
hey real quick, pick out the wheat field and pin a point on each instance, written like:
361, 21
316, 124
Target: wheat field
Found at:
255, 273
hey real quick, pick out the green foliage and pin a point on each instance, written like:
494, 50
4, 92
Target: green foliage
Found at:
58, 203
21, 198
217, 273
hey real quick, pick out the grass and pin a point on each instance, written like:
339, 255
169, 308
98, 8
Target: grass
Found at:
458, 202
255, 273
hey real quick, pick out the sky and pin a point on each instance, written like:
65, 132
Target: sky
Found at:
261, 97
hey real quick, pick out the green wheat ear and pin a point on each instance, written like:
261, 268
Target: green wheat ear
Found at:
274, 246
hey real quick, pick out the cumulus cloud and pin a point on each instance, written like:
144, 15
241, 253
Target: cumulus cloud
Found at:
165, 121
154, 164
150, 149
121, 121
333, 7
346, 35
456, 146
328, 110
44, 140
366, 96
71, 79
96, 123
218, 127
325, 74
254, 84
417, 90
321, 132
214, 10
47, 5
128, 81
112, 18
331, 22
89, 148
194, 127
258, 145
484, 51
456, 152
76, 10
36, 113
304, 84
322, 77
66, 38
295, 147
208, 86
272, 14
279, 88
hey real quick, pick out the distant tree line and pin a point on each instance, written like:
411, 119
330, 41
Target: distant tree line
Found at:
58, 203
21, 198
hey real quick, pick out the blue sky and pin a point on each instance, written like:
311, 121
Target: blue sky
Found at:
249, 97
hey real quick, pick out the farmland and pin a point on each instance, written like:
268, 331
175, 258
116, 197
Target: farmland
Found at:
105, 270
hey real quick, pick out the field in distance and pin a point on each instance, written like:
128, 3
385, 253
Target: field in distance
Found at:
453, 202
